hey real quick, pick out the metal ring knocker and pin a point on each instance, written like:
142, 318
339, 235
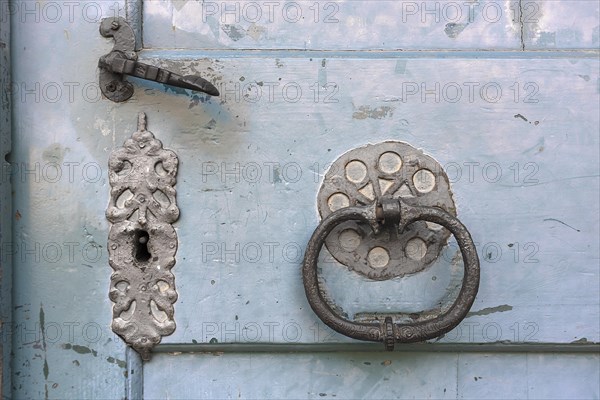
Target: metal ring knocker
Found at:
392, 211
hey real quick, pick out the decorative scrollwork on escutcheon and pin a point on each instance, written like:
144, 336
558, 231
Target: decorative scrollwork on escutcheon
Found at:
142, 243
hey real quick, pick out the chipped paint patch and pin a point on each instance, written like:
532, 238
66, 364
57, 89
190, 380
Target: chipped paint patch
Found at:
255, 31
120, 363
453, 30
581, 341
235, 32
211, 124
54, 153
322, 77
45, 368
490, 310
365, 112
90, 238
178, 5
80, 349
521, 116
400, 67
102, 126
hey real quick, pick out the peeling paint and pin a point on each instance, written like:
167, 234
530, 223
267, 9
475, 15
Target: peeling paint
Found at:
80, 349
235, 32
90, 238
452, 30
490, 310
178, 5
365, 112
276, 175
581, 341
54, 153
211, 124
103, 126
120, 363
45, 368
400, 67
322, 77
521, 116
255, 31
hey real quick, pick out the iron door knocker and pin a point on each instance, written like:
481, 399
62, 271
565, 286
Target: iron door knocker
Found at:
404, 185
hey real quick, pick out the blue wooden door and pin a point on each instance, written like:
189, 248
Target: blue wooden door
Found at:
503, 94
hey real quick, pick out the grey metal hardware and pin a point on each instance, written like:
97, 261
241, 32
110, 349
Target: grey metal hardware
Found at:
390, 218
142, 242
122, 60
366, 174
401, 215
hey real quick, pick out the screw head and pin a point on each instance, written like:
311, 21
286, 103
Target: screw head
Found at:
115, 25
111, 87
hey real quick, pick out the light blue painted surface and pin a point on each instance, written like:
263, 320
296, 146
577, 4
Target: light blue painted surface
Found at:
375, 376
333, 25
561, 25
63, 346
237, 216
62, 343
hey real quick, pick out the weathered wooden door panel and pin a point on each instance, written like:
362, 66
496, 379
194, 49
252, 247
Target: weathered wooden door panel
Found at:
517, 133
504, 144
333, 25
389, 25
565, 25
374, 376
61, 339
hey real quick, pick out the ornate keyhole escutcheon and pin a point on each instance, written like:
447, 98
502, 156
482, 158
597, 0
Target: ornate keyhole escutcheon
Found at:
387, 211
142, 242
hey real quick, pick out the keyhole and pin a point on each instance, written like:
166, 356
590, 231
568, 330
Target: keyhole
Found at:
141, 246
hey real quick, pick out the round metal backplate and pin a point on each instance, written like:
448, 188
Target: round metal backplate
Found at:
364, 175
